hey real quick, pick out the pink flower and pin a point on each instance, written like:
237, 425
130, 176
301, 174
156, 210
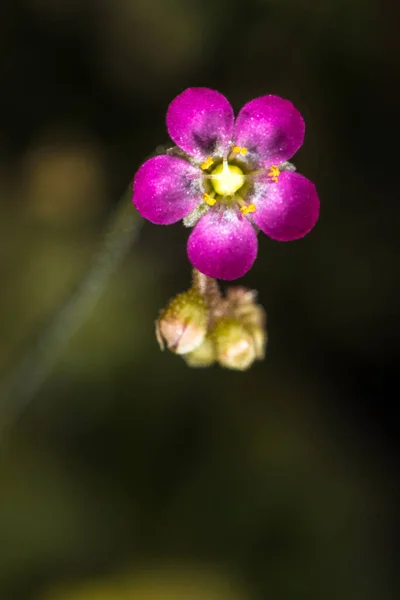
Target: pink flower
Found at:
230, 177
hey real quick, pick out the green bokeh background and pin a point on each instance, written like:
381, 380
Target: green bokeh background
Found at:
128, 466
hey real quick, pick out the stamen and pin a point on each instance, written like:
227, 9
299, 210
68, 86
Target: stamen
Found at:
239, 150
248, 209
274, 173
209, 199
207, 163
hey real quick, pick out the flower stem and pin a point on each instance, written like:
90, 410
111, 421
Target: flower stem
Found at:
206, 287
209, 289
29, 375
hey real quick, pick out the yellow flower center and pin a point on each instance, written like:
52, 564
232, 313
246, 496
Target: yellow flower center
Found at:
227, 179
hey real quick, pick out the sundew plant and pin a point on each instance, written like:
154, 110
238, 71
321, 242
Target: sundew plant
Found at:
227, 179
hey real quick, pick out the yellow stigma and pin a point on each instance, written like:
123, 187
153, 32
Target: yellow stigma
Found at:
274, 173
227, 179
248, 209
207, 163
239, 150
209, 199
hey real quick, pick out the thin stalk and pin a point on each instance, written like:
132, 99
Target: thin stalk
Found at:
28, 376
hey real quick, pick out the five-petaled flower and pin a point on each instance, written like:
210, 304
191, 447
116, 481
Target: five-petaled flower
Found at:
229, 178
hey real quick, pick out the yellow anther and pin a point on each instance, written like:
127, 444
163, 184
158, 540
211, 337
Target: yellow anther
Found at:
207, 163
209, 200
274, 173
248, 209
239, 150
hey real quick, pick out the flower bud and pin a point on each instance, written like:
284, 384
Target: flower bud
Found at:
203, 356
234, 345
259, 340
182, 326
252, 316
243, 305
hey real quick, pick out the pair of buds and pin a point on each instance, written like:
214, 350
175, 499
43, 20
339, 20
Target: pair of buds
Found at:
204, 327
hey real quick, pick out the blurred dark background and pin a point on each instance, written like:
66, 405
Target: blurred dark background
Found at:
130, 475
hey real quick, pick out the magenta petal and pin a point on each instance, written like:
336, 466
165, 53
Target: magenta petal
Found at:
200, 121
271, 129
286, 210
223, 245
166, 189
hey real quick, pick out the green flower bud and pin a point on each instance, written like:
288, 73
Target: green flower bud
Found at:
251, 315
234, 345
259, 339
182, 326
203, 356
